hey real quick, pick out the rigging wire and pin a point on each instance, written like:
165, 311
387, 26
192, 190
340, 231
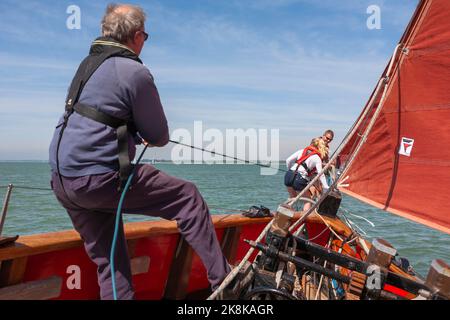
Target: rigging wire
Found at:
185, 145
29, 188
226, 156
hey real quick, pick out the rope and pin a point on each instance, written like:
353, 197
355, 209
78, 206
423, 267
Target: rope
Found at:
321, 277
321, 233
117, 222
328, 226
359, 228
375, 114
355, 215
28, 188
370, 104
350, 241
235, 271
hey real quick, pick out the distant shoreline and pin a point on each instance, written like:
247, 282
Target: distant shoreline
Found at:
162, 161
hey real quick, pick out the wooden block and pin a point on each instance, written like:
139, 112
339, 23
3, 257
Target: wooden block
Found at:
381, 253
12, 271
438, 277
4, 241
180, 270
33, 290
140, 265
230, 243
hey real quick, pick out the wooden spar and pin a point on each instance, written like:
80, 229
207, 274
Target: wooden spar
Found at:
6, 240
331, 256
301, 262
5, 207
356, 265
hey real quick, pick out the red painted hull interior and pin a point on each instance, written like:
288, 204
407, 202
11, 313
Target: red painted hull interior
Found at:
41, 257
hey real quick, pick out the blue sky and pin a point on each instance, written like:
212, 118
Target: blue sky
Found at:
300, 66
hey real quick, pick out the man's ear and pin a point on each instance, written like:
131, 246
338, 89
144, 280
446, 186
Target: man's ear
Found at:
133, 40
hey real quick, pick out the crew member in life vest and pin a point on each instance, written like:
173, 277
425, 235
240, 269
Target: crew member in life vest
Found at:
330, 173
327, 137
112, 105
302, 166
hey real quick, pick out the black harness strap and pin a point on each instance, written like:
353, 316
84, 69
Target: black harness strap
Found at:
121, 132
306, 167
94, 114
101, 50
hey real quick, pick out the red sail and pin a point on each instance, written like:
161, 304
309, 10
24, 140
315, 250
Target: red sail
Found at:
404, 165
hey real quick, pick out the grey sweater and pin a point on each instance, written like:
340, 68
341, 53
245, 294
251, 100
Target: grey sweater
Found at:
124, 89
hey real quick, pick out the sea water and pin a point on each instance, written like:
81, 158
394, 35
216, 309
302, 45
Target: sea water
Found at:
225, 188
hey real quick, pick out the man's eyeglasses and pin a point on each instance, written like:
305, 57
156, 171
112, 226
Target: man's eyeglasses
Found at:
145, 35
328, 139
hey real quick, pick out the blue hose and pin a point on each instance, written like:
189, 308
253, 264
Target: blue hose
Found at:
116, 227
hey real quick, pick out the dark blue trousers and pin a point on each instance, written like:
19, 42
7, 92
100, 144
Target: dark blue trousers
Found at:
91, 202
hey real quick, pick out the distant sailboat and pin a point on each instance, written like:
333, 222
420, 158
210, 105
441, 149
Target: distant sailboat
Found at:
153, 160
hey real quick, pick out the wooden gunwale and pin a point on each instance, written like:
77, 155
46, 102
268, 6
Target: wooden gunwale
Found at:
53, 241
14, 257
61, 240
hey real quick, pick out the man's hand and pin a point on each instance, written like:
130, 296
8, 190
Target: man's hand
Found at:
145, 143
